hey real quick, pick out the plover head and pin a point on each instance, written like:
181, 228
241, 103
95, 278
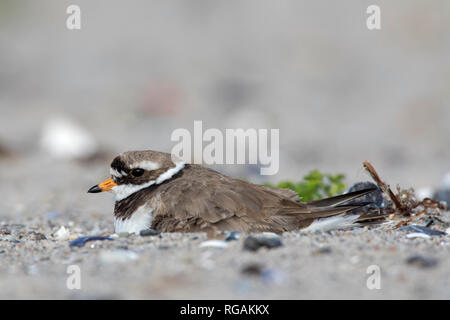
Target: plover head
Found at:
136, 170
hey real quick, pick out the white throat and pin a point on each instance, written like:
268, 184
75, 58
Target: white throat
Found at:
125, 190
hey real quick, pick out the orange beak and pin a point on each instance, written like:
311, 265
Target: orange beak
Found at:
106, 185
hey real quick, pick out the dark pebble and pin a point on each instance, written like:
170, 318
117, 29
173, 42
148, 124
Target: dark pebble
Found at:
442, 195
254, 243
421, 261
148, 232
233, 235
252, 269
375, 198
81, 241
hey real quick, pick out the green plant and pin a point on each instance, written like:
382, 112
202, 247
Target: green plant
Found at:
315, 185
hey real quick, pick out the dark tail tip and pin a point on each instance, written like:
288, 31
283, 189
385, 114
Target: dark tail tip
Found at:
356, 204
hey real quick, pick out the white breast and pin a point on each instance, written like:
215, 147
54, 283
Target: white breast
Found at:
141, 219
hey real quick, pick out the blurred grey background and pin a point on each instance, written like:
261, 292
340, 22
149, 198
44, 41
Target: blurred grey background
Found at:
339, 93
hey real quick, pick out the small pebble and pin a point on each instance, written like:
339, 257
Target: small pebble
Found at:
62, 138
213, 244
62, 234
233, 235
270, 235
148, 232
253, 269
254, 243
418, 235
124, 235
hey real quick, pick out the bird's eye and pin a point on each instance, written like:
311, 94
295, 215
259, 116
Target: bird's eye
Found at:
137, 172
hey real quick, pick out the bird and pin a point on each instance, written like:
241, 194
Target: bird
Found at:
155, 190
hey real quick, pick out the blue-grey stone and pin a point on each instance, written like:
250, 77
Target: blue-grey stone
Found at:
422, 229
81, 241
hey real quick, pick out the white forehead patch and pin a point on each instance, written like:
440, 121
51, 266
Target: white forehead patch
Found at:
123, 191
146, 165
115, 173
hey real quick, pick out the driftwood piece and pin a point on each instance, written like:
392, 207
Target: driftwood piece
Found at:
385, 188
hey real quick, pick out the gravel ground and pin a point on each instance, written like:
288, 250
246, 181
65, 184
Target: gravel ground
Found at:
174, 266
34, 264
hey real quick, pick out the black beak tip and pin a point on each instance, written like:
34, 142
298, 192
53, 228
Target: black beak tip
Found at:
95, 189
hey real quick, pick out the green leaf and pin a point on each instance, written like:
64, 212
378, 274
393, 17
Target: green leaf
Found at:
315, 185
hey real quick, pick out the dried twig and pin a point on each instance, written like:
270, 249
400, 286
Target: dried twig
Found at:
429, 203
385, 188
407, 207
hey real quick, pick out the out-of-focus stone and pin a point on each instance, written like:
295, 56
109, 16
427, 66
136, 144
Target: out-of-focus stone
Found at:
252, 243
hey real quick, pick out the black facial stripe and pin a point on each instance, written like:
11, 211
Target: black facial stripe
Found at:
119, 166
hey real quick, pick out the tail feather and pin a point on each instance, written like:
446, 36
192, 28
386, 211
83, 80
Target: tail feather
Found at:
338, 200
372, 218
323, 212
331, 223
332, 213
357, 204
